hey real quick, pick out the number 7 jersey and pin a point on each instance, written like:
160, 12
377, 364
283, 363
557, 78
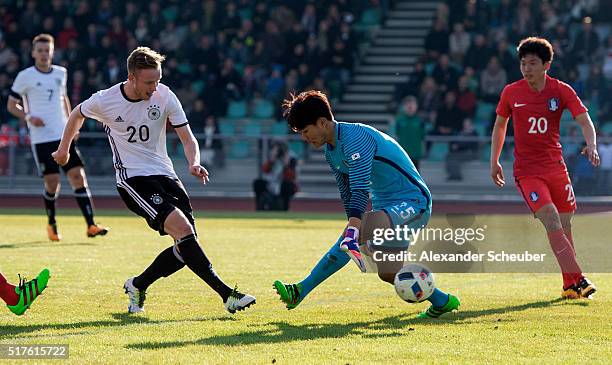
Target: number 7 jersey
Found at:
136, 129
536, 117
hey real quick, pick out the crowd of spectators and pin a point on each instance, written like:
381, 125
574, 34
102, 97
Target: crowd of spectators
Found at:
217, 51
470, 55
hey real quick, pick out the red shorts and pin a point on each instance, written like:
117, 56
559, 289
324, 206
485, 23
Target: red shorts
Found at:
555, 187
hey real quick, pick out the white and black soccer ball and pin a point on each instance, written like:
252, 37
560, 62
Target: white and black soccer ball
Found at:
414, 283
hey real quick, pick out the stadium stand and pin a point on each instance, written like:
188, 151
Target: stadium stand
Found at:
236, 60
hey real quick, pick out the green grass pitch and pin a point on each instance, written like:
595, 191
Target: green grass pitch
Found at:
351, 318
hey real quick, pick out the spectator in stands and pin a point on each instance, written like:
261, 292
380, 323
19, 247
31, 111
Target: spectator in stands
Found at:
449, 118
77, 88
436, 41
460, 152
415, 79
504, 14
584, 8
549, 17
7, 135
409, 129
442, 14
586, 43
278, 184
584, 177
5, 91
340, 61
445, 74
574, 80
211, 148
5, 53
524, 23
596, 87
476, 16
492, 81
198, 38
507, 59
429, 98
459, 43
466, 98
309, 18
607, 67
605, 172
478, 54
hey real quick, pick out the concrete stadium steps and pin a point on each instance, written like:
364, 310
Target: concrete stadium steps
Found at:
384, 70
387, 62
420, 27
361, 107
395, 51
416, 5
367, 97
390, 60
370, 88
401, 32
380, 79
404, 40
409, 14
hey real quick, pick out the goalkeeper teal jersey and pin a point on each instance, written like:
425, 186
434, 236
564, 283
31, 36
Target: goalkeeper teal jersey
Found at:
365, 160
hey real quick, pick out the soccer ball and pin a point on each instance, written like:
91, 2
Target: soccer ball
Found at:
414, 283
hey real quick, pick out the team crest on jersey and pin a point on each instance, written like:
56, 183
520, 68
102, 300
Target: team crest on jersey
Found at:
153, 112
534, 196
157, 199
58, 82
553, 104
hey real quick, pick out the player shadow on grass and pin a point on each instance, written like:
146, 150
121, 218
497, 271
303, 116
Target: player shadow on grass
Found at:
400, 325
43, 244
119, 319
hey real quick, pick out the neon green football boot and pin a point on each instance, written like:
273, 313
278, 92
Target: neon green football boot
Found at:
28, 291
433, 312
289, 293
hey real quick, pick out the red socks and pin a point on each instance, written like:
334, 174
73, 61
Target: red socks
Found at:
568, 234
7, 292
566, 256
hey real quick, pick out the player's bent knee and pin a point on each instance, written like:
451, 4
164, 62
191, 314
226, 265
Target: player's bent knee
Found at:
549, 216
371, 224
177, 225
76, 176
52, 182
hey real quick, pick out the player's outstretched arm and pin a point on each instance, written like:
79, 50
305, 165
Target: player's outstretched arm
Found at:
192, 152
75, 121
497, 142
590, 137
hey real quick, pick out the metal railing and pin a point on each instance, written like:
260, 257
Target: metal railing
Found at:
239, 160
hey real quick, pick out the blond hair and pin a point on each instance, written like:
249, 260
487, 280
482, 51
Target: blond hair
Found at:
144, 58
43, 38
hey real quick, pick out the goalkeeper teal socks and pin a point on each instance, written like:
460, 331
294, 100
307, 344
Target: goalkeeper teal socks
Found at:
332, 261
438, 298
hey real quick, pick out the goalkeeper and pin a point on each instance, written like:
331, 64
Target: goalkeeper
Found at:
363, 160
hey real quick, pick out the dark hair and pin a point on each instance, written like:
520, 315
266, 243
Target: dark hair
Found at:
43, 38
539, 47
305, 109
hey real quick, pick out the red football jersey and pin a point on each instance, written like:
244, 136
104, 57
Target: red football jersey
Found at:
536, 117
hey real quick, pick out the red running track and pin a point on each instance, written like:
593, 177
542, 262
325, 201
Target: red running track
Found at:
298, 205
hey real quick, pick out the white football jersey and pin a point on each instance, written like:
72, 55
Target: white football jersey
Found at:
42, 95
136, 129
